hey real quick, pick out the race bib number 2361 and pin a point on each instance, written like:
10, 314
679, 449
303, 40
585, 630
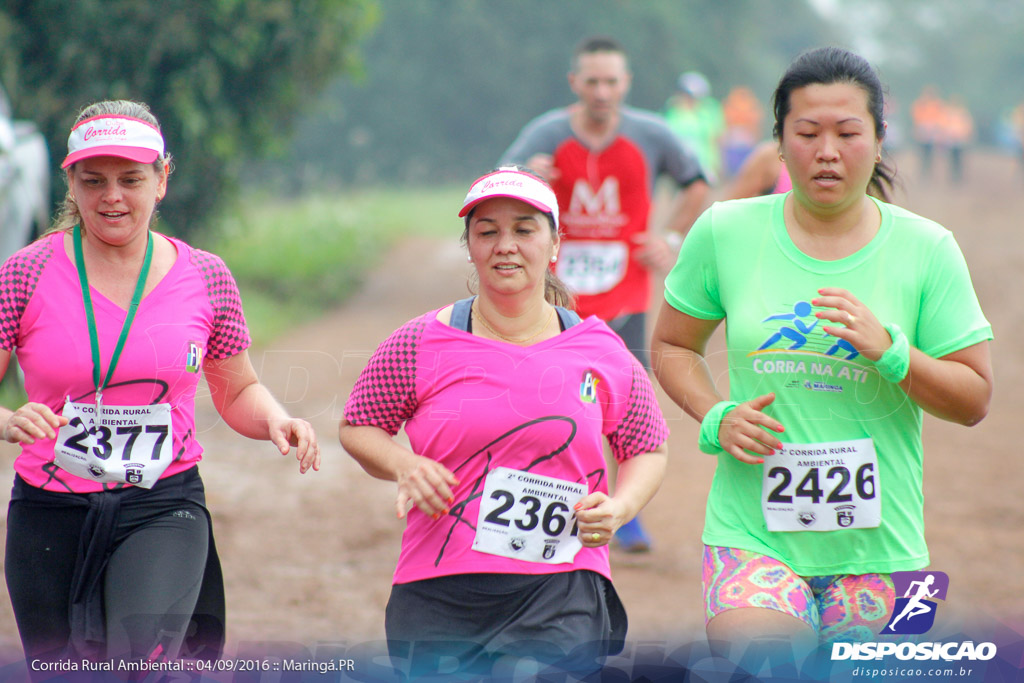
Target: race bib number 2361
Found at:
529, 517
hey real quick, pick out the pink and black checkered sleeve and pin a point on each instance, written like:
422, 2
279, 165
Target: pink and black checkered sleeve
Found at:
230, 334
19, 276
385, 393
643, 427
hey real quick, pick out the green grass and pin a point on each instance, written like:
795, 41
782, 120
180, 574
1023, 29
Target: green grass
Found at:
12, 393
295, 258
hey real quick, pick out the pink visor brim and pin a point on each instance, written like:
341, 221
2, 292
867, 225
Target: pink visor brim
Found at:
535, 204
142, 155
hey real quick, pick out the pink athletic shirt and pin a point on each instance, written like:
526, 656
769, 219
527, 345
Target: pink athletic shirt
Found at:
194, 312
474, 404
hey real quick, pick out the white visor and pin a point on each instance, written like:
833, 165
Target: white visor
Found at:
513, 184
118, 136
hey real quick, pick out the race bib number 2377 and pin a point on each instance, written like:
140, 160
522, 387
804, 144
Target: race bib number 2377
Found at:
121, 444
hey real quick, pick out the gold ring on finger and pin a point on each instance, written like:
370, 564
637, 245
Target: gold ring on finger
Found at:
595, 537
851, 321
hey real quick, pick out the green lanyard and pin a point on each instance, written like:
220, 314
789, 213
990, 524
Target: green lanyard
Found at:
90, 315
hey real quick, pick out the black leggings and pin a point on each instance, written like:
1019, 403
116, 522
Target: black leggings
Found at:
150, 582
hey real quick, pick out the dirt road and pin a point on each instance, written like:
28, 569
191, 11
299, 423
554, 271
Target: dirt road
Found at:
309, 558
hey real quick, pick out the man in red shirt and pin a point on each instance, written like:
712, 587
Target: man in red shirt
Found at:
602, 158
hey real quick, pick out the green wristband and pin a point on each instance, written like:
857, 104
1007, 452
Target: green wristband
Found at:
708, 440
894, 364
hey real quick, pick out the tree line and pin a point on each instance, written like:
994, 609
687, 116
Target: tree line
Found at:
312, 94
448, 84
226, 78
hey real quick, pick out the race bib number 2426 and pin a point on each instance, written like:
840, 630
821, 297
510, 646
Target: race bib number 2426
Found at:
822, 487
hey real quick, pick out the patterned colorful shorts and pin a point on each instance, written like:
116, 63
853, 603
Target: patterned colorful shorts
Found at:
840, 607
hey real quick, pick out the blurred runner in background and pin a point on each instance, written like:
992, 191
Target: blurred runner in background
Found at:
602, 159
742, 113
696, 117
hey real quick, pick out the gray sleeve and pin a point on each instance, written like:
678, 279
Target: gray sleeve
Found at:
667, 153
540, 136
679, 162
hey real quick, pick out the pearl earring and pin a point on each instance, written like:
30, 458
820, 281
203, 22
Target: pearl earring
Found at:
554, 258
469, 259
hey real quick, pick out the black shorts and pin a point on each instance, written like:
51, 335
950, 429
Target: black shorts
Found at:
567, 621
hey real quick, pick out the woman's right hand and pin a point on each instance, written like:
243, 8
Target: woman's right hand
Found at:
426, 484
746, 429
32, 421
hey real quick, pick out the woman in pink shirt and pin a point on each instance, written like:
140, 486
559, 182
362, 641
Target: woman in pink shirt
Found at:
110, 554
506, 399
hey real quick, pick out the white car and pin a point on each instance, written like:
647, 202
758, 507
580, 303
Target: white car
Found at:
24, 181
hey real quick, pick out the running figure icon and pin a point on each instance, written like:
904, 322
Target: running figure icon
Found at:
843, 345
916, 605
798, 333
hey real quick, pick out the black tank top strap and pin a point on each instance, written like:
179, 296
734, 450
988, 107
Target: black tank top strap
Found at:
567, 318
461, 311
462, 316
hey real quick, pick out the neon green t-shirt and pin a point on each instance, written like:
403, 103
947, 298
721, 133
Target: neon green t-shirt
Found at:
700, 128
739, 263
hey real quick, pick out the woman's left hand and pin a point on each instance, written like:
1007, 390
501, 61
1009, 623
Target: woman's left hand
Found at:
860, 327
289, 432
598, 516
